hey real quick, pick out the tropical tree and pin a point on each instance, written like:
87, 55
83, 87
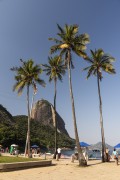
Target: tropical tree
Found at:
27, 75
55, 69
70, 41
100, 61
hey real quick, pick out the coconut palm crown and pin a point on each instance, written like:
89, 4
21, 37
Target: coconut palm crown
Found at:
27, 74
70, 40
99, 61
55, 68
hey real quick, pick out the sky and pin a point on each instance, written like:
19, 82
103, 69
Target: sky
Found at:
26, 25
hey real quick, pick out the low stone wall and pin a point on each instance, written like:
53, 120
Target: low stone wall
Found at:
23, 165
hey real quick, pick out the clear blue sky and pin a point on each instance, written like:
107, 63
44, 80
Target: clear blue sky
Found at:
26, 25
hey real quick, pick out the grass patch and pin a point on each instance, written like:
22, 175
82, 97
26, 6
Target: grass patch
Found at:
7, 159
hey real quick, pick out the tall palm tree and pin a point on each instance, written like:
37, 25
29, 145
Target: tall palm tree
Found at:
99, 61
70, 41
27, 75
55, 69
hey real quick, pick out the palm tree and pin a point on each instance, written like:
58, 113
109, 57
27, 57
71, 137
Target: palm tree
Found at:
70, 41
27, 75
54, 69
99, 61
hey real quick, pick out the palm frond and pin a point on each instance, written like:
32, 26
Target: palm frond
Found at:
107, 59
41, 82
60, 29
20, 90
55, 40
80, 53
90, 71
54, 49
72, 65
14, 69
18, 85
100, 53
85, 69
75, 29
60, 77
84, 38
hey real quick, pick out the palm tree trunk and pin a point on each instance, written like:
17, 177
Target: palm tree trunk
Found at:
101, 121
28, 133
26, 145
82, 161
32, 103
55, 120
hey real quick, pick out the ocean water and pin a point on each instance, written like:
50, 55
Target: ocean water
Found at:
67, 152
91, 154
94, 155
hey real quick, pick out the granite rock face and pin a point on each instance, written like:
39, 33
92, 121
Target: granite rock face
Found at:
42, 111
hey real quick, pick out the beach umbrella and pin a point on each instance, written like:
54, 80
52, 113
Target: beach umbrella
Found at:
83, 144
14, 145
117, 146
34, 146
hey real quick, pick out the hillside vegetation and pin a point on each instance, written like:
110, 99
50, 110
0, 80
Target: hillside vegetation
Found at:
13, 129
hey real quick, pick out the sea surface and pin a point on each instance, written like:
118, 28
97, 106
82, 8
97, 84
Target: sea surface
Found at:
91, 154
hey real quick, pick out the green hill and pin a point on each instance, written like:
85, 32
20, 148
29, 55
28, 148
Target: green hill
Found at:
13, 129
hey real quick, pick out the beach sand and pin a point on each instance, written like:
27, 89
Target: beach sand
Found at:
65, 170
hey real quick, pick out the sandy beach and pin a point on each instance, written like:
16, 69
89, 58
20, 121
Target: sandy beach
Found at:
65, 170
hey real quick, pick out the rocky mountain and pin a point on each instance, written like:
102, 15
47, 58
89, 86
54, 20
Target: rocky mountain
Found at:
43, 112
98, 146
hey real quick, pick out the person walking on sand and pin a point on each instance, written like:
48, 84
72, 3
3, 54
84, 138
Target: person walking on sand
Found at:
59, 153
107, 155
115, 156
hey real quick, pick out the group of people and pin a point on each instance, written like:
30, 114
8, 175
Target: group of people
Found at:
13, 150
108, 156
114, 155
4, 150
75, 155
35, 150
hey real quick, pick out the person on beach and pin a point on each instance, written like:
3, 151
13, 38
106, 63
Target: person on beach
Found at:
11, 150
59, 153
115, 156
107, 155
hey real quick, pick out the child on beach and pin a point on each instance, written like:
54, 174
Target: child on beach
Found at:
115, 156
